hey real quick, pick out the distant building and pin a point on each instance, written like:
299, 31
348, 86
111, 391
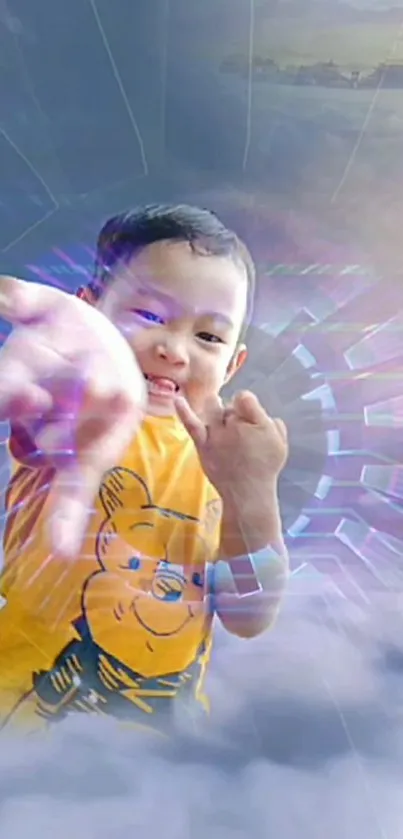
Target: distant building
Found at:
323, 74
387, 75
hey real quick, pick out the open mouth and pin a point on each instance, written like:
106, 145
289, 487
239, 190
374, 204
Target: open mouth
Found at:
161, 386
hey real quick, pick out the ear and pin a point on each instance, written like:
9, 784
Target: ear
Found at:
237, 360
120, 483
85, 293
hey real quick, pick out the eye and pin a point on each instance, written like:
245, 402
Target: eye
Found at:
134, 563
151, 317
210, 338
197, 579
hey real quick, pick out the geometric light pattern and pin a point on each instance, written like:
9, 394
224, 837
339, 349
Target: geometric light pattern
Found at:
324, 354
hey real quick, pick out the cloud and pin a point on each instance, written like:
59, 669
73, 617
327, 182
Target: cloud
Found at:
304, 741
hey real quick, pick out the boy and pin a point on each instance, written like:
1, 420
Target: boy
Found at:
108, 603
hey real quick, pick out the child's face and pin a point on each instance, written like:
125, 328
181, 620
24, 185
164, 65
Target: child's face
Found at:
182, 313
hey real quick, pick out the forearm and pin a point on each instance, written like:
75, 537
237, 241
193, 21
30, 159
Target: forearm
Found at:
250, 522
251, 573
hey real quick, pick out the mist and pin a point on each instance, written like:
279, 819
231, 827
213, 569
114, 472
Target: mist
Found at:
304, 740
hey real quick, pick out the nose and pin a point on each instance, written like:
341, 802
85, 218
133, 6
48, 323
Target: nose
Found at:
172, 349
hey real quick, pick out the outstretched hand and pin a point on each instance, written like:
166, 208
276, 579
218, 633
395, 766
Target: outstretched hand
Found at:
69, 377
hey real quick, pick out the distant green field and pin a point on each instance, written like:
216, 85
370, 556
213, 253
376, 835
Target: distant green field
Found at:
361, 47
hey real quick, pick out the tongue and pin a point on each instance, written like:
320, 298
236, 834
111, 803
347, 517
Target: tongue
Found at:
162, 385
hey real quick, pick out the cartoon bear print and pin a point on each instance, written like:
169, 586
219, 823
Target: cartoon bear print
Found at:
145, 617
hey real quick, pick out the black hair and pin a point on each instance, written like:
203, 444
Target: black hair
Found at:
125, 234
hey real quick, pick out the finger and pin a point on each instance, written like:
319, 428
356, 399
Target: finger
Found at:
213, 411
30, 402
78, 480
28, 372
72, 501
248, 408
193, 424
20, 395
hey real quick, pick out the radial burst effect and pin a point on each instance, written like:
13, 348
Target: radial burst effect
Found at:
324, 354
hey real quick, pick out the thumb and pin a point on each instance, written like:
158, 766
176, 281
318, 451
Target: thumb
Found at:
21, 301
194, 426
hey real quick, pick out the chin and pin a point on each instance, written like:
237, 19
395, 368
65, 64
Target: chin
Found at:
156, 410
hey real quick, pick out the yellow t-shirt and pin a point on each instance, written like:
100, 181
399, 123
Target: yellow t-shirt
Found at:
124, 628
